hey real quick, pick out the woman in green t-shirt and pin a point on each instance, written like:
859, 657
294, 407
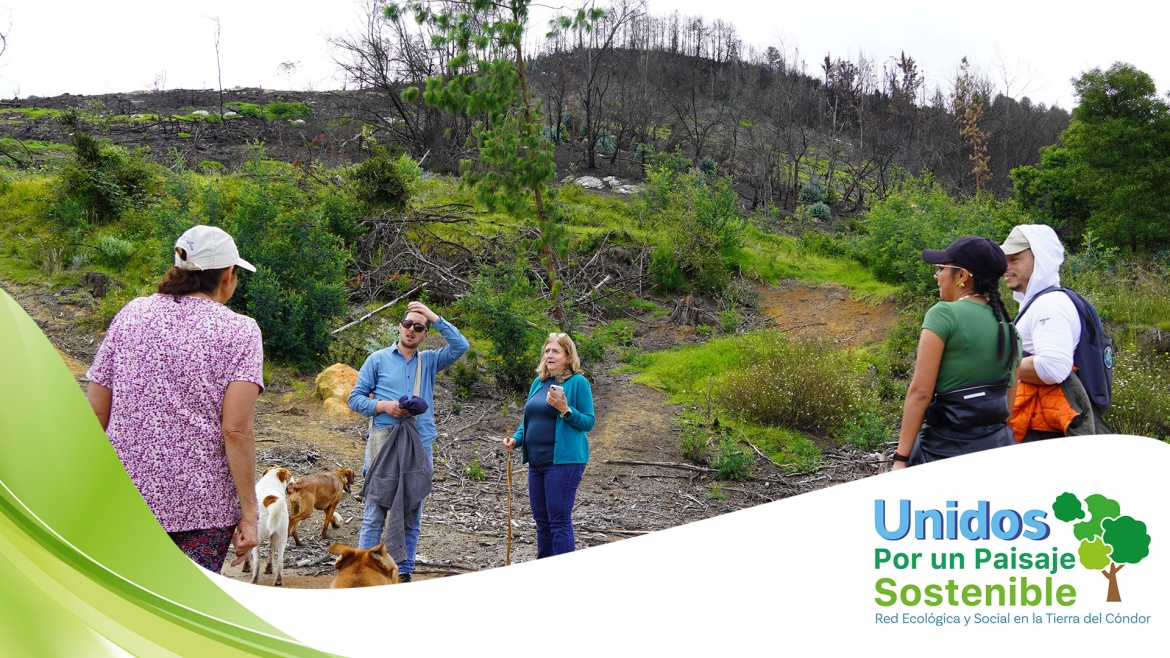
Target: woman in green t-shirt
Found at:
967, 357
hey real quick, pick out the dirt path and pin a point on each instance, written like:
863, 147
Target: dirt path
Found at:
464, 521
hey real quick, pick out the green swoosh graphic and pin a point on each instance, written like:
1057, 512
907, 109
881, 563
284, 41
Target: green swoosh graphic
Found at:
86, 569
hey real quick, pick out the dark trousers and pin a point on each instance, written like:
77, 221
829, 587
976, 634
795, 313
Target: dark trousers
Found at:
552, 490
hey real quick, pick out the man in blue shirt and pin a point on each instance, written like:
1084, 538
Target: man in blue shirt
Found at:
390, 374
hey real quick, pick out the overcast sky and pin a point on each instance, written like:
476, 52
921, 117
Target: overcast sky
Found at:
90, 47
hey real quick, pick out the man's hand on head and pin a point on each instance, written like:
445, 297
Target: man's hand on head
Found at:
419, 307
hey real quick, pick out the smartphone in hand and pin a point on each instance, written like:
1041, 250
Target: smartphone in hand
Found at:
556, 388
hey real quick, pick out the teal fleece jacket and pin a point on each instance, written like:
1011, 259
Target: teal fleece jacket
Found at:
572, 444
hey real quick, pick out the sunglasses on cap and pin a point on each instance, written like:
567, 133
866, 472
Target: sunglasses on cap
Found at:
407, 324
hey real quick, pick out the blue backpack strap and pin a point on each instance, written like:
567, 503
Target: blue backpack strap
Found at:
1038, 295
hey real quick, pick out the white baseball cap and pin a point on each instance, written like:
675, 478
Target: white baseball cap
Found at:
208, 248
1016, 242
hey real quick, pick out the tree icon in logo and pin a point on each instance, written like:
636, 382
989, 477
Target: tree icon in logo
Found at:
1109, 541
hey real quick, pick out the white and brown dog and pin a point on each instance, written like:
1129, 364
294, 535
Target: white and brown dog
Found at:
272, 522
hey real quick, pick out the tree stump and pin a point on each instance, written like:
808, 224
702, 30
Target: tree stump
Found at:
687, 313
97, 282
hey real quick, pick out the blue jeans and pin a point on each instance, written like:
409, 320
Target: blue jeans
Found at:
374, 522
552, 490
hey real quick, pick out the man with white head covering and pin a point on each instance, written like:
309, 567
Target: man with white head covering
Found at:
1051, 400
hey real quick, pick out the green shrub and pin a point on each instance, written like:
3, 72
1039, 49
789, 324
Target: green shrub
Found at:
382, 181
868, 430
501, 303
343, 215
341, 350
923, 216
731, 461
605, 143
813, 192
666, 271
297, 291
103, 180
806, 385
465, 375
114, 252
901, 347
247, 109
275, 110
820, 211
819, 242
693, 443
474, 470
730, 319
619, 336
1129, 291
591, 349
699, 223
383, 334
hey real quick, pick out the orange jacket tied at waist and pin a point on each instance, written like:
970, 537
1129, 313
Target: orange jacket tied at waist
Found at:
1047, 408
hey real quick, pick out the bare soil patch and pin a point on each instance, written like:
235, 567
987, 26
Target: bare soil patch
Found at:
825, 311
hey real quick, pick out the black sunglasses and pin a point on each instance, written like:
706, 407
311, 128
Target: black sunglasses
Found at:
407, 324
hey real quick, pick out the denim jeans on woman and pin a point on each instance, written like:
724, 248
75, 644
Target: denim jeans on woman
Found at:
552, 490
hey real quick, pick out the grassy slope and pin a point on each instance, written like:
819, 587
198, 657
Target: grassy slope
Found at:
687, 374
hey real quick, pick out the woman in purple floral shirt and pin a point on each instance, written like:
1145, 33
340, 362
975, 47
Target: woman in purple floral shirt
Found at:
175, 384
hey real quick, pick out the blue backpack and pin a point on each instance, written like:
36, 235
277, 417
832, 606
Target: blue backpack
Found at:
1093, 356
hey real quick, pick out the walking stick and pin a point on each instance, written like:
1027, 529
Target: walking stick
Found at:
508, 555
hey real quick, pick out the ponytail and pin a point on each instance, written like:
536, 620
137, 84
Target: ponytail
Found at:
179, 282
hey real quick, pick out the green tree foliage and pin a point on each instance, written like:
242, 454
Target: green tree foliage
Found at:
923, 216
1047, 190
487, 81
1111, 170
1109, 541
297, 291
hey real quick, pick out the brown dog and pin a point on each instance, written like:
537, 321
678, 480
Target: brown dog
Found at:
362, 568
317, 492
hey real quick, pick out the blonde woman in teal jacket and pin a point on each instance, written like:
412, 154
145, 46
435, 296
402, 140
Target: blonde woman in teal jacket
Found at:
554, 444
